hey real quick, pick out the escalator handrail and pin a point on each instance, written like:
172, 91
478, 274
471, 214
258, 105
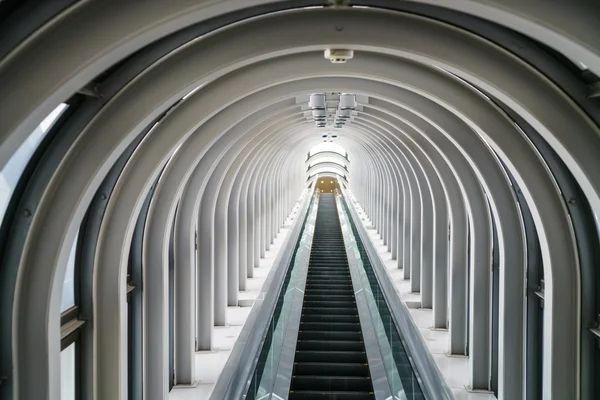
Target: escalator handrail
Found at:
433, 383
235, 378
285, 362
379, 378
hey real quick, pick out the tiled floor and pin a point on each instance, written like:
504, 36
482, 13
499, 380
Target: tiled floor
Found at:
454, 369
210, 364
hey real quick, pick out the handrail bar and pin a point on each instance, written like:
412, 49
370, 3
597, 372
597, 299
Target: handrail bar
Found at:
236, 376
432, 382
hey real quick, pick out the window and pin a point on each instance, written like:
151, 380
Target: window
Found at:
70, 330
68, 295
11, 173
67, 373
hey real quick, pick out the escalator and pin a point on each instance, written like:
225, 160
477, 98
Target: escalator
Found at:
330, 360
329, 333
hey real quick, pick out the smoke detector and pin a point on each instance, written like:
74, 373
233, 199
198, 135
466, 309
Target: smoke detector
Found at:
339, 56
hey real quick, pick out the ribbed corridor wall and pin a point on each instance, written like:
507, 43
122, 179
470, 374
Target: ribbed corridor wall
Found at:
182, 145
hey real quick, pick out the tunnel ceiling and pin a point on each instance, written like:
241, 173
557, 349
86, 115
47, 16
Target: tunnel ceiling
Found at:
491, 107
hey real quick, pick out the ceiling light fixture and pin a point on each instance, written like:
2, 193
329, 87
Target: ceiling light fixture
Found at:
347, 101
317, 101
339, 56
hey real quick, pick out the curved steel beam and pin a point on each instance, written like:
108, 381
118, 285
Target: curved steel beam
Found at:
573, 39
328, 154
328, 165
540, 222
154, 289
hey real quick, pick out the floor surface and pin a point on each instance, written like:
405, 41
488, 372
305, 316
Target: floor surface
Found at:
210, 364
454, 369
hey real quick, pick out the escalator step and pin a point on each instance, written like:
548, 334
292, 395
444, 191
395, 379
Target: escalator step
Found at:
329, 326
333, 297
329, 310
329, 304
337, 286
341, 383
328, 395
329, 318
334, 269
309, 291
331, 369
330, 345
331, 356
340, 280
333, 264
329, 275
329, 271
339, 269
331, 335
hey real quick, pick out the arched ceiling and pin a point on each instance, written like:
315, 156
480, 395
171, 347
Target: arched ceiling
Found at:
192, 97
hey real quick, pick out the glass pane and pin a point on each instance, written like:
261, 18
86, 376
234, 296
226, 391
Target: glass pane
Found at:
10, 174
67, 373
68, 294
403, 380
268, 362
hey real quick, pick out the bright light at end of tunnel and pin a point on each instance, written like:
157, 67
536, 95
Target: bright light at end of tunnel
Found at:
336, 148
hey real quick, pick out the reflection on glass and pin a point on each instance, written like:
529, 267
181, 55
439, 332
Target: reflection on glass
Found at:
403, 381
68, 294
266, 369
10, 174
67, 373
